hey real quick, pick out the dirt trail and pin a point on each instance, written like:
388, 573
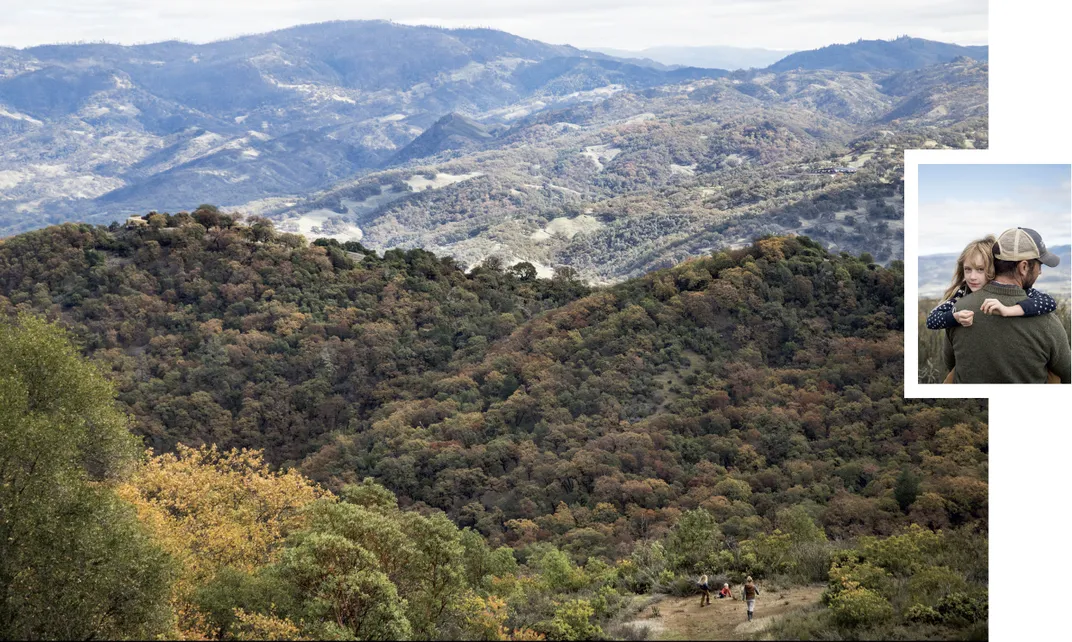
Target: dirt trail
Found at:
682, 618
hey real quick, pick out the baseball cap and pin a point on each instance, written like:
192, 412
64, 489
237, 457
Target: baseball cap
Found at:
1020, 244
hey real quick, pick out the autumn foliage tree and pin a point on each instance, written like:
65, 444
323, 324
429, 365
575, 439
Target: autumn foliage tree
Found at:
216, 511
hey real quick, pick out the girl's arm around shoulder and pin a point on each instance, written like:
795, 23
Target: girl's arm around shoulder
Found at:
1037, 303
941, 317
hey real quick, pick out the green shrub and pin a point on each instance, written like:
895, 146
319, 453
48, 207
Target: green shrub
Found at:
962, 609
572, 621
859, 606
693, 540
557, 570
922, 614
772, 553
607, 602
847, 572
902, 554
932, 583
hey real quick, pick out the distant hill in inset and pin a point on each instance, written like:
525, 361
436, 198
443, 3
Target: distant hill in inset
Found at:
936, 270
869, 55
708, 57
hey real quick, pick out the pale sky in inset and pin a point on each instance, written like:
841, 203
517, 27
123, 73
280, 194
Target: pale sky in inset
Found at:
961, 203
625, 24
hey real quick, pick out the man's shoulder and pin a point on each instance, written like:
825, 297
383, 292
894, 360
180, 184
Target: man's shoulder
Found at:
972, 297
1052, 324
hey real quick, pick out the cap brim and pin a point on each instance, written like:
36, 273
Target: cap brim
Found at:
1050, 259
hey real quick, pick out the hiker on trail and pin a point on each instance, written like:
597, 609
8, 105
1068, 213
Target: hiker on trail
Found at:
724, 591
749, 593
705, 595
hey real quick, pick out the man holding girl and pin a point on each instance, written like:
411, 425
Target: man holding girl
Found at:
995, 277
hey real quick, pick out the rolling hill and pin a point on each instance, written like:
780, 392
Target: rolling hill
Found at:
871, 55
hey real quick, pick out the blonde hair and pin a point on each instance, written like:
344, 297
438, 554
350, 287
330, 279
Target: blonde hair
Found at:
983, 249
703, 579
749, 580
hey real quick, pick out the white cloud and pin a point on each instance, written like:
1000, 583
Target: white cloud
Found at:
628, 24
949, 225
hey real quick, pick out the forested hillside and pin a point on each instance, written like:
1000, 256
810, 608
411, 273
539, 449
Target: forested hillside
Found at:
738, 414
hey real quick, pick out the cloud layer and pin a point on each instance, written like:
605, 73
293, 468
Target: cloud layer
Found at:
625, 24
949, 225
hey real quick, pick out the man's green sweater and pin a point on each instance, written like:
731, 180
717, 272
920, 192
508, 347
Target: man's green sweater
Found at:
997, 349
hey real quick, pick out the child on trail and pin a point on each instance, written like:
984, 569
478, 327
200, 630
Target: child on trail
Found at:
705, 595
724, 592
975, 268
749, 593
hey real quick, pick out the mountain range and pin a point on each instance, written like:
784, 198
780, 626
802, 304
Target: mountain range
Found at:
871, 55
475, 142
714, 57
935, 271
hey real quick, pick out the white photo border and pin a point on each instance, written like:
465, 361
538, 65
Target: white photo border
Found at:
913, 159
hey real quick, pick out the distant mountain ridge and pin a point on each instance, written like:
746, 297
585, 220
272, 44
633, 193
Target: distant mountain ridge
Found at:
870, 55
93, 124
451, 132
473, 143
714, 57
936, 270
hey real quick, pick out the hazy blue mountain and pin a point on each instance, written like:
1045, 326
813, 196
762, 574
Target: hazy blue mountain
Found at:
869, 55
107, 128
617, 187
473, 143
451, 132
936, 271
713, 57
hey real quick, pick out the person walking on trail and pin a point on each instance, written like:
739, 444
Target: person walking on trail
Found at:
749, 594
705, 588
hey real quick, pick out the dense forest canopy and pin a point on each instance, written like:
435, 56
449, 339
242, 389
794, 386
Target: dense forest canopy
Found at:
738, 414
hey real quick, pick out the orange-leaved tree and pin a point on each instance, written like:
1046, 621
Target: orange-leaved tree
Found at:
216, 510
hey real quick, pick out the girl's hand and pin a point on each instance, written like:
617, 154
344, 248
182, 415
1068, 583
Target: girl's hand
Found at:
964, 317
993, 306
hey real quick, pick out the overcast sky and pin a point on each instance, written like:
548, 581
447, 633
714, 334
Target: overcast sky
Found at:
625, 24
961, 203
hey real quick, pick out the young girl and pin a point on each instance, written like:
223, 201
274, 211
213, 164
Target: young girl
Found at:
975, 268
749, 594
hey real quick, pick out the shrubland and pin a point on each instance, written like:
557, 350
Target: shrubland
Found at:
348, 444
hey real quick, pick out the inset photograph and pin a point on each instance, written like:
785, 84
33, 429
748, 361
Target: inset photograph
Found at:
994, 276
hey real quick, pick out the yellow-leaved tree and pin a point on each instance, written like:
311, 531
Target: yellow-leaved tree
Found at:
214, 510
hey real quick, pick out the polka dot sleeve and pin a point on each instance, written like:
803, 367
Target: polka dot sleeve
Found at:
941, 317
1037, 303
